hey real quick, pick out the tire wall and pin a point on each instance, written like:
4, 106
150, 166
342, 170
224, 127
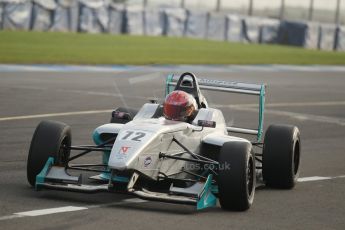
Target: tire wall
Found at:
93, 17
154, 22
65, 16
101, 16
196, 25
234, 30
327, 36
175, 22
17, 15
340, 39
116, 18
1, 15
216, 27
134, 21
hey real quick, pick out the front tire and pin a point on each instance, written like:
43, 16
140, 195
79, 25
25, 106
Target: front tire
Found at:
47, 141
237, 183
281, 156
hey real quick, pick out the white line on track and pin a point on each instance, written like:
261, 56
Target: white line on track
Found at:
298, 116
318, 178
285, 104
90, 93
63, 68
49, 211
148, 77
242, 107
309, 117
313, 178
144, 78
54, 115
210, 68
303, 104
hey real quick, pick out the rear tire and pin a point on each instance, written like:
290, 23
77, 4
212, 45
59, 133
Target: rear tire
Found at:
130, 114
281, 156
237, 184
47, 141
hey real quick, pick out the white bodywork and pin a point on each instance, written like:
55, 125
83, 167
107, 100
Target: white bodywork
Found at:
140, 141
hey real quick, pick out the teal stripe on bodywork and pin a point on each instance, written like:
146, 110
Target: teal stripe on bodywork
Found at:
168, 87
40, 178
214, 189
121, 179
106, 154
105, 159
207, 198
261, 111
107, 176
97, 139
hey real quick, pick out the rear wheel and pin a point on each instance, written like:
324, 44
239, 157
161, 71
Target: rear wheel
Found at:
236, 176
281, 156
123, 115
48, 141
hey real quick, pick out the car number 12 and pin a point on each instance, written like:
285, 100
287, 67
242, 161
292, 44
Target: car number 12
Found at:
134, 136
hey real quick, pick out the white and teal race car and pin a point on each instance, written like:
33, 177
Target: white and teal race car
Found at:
148, 156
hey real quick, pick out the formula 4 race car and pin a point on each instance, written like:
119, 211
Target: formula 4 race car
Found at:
153, 158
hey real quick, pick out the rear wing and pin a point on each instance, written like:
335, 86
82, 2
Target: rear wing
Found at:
230, 87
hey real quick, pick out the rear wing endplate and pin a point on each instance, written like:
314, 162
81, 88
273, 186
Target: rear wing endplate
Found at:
230, 87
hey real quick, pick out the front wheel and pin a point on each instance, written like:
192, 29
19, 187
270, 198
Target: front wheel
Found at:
281, 156
48, 141
236, 176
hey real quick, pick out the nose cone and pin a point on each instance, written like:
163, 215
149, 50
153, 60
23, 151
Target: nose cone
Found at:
127, 147
135, 137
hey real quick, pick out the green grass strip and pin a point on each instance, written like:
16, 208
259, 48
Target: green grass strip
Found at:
72, 48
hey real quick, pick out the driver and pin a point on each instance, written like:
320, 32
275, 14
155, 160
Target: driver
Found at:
180, 106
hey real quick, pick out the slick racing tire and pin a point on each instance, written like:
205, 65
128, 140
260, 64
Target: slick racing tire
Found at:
281, 156
130, 114
48, 141
236, 183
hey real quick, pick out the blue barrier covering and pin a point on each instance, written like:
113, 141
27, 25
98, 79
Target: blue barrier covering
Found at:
65, 17
234, 28
93, 16
154, 22
216, 27
117, 19
42, 15
175, 22
17, 14
327, 36
340, 39
292, 33
302, 34
196, 25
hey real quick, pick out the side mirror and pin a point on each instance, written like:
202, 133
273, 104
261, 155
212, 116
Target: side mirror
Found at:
205, 123
153, 101
121, 115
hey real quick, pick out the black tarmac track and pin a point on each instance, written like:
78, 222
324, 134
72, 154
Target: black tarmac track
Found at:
314, 101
